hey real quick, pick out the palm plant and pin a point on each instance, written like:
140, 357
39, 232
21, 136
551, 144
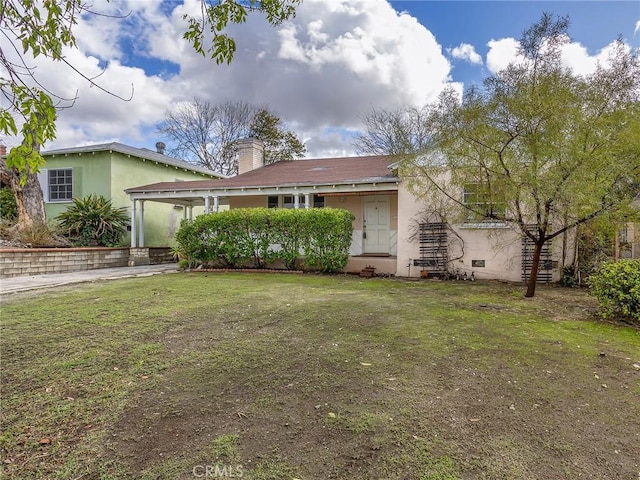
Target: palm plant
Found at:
93, 220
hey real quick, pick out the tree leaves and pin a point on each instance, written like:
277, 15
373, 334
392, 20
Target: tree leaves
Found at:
216, 17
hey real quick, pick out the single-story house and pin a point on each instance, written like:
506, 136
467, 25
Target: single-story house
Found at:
107, 169
390, 233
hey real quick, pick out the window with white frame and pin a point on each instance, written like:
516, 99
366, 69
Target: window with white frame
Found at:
60, 184
481, 207
289, 201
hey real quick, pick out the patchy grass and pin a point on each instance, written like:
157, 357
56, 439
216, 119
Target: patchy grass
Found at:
315, 377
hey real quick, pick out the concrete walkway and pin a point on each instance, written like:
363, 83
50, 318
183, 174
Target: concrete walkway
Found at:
50, 280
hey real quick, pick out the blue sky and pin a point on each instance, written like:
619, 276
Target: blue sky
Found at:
592, 23
320, 72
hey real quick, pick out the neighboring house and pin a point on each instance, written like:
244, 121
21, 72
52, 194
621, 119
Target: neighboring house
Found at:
107, 169
390, 231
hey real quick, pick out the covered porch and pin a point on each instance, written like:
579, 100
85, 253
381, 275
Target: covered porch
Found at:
374, 206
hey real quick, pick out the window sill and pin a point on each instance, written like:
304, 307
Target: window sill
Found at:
485, 225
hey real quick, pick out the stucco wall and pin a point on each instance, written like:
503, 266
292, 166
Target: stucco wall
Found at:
110, 173
91, 174
500, 248
248, 202
355, 204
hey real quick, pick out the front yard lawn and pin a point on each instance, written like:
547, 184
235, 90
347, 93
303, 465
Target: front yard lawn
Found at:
263, 376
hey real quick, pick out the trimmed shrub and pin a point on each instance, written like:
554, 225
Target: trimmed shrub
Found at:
327, 244
616, 285
260, 237
93, 221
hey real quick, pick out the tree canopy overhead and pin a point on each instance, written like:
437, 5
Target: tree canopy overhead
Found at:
541, 148
31, 29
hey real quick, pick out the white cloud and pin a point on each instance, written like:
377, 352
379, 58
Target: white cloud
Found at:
467, 52
637, 29
335, 61
501, 53
575, 56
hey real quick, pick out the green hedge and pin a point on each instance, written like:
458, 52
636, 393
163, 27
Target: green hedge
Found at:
8, 207
299, 238
616, 285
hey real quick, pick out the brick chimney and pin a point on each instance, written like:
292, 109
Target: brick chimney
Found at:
250, 155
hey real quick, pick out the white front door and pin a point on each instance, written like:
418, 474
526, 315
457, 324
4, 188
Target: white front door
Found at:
376, 224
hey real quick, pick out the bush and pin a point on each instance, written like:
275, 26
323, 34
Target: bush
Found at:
616, 285
327, 245
93, 221
8, 207
260, 236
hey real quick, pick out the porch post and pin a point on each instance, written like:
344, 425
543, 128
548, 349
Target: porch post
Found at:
296, 201
184, 212
216, 204
133, 224
307, 200
190, 213
141, 224
207, 204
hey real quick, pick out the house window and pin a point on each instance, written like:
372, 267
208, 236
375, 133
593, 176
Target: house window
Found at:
60, 183
272, 201
480, 202
289, 201
623, 234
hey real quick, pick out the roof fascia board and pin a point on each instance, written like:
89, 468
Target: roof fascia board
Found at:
140, 153
257, 191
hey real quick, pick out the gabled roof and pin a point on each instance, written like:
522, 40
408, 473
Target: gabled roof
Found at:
296, 173
143, 153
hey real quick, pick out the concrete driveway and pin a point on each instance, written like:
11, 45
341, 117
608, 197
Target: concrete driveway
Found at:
49, 280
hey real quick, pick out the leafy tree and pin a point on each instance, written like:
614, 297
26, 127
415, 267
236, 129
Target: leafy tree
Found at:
30, 29
544, 150
218, 14
205, 133
93, 220
279, 144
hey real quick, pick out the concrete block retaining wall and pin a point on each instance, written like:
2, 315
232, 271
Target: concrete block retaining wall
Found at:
37, 261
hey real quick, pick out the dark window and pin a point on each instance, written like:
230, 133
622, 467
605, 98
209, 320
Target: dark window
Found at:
272, 201
60, 184
287, 201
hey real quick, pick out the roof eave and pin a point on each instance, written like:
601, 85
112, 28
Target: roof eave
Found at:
143, 154
334, 187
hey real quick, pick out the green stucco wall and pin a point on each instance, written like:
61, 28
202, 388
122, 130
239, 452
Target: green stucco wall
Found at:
110, 173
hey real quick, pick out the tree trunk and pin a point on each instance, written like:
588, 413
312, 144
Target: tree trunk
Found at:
29, 198
535, 264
